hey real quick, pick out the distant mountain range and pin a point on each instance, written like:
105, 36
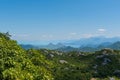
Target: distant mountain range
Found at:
93, 41
86, 44
49, 46
87, 48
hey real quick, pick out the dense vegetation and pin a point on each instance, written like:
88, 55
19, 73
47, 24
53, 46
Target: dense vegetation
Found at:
17, 63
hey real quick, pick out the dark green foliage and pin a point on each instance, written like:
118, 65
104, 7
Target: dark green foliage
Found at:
5, 35
100, 65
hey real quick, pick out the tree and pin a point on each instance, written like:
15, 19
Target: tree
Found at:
15, 63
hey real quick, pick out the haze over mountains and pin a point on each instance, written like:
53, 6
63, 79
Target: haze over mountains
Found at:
84, 44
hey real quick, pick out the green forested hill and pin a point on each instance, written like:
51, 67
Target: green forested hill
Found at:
18, 64
99, 65
42, 64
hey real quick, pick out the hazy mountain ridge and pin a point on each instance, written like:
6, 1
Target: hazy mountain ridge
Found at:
93, 41
86, 45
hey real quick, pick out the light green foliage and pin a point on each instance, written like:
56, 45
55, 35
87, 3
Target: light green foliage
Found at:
15, 64
41, 64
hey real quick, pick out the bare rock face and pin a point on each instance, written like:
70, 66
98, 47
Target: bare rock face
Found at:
107, 50
111, 78
117, 72
106, 61
92, 79
63, 61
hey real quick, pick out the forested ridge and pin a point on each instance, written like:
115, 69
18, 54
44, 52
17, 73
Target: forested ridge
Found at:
17, 63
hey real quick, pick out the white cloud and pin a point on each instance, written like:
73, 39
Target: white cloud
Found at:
73, 33
50, 36
87, 35
47, 36
101, 30
20, 35
44, 36
32, 37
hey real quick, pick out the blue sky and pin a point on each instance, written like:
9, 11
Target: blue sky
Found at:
47, 20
